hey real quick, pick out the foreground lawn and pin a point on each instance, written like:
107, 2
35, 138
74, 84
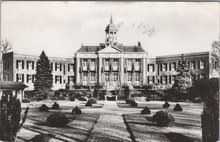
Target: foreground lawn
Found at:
78, 129
187, 126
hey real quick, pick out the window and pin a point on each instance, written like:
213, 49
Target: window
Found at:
92, 77
58, 67
137, 62
129, 62
164, 67
173, 66
20, 64
150, 67
129, 76
137, 77
115, 77
164, 79
85, 62
70, 79
58, 79
92, 63
6, 65
85, 76
192, 65
107, 77
29, 78
115, 62
29, 65
106, 62
151, 79
202, 64
71, 67
20, 77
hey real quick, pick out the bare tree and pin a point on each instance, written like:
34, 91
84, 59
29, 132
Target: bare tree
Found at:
5, 47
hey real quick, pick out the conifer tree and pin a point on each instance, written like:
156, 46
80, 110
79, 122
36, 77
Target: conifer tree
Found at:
182, 79
43, 78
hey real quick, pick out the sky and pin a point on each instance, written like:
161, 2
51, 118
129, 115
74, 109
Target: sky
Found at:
60, 28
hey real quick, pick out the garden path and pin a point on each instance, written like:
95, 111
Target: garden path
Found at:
110, 125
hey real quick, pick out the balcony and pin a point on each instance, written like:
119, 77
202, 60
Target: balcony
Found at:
92, 68
137, 68
129, 68
107, 68
115, 68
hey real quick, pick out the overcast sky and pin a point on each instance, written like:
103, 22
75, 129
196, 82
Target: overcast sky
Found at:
60, 28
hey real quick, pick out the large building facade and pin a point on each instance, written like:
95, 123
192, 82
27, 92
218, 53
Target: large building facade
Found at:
111, 65
22, 68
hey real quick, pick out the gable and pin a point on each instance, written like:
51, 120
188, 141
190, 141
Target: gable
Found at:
110, 49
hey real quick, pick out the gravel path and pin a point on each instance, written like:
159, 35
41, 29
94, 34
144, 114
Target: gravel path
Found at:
110, 126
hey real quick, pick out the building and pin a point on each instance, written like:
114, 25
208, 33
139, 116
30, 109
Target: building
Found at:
22, 68
111, 65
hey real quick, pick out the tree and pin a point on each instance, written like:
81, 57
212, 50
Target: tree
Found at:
44, 77
5, 47
182, 80
215, 59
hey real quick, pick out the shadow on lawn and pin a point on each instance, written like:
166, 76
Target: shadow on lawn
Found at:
177, 137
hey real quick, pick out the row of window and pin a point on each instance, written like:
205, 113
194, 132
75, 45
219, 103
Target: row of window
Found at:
173, 66
85, 77
31, 65
30, 78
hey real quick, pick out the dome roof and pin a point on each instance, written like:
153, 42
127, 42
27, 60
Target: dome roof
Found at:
111, 26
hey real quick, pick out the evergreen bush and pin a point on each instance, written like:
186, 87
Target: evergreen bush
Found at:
88, 104
76, 110
166, 105
163, 119
25, 100
178, 107
55, 106
43, 108
146, 110
57, 120
92, 100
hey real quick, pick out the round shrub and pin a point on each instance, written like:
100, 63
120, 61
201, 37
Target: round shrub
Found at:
197, 100
178, 108
43, 108
147, 99
88, 104
92, 100
25, 100
146, 110
57, 120
55, 106
163, 119
76, 110
166, 105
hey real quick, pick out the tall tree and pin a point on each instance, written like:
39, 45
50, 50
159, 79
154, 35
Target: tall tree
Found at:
215, 59
182, 80
43, 78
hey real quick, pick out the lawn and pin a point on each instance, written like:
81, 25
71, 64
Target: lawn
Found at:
78, 129
187, 126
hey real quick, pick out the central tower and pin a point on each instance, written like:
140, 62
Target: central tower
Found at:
111, 34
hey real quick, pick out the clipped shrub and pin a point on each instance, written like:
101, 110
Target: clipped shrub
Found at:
82, 98
178, 107
55, 106
92, 100
76, 110
129, 101
146, 110
166, 105
88, 104
147, 99
133, 103
163, 119
57, 120
42, 138
25, 100
43, 108
72, 98
197, 100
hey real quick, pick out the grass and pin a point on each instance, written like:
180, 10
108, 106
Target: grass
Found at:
187, 126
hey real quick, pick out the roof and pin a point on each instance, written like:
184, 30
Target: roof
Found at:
12, 85
123, 48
